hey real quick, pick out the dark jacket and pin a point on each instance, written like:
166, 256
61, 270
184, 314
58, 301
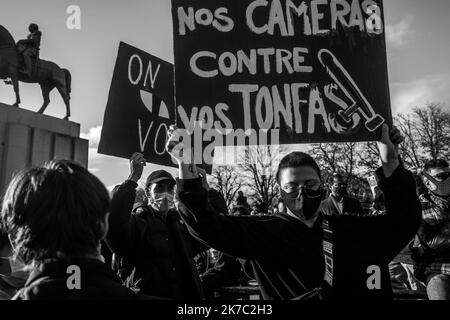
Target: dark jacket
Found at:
287, 256
159, 248
351, 206
98, 282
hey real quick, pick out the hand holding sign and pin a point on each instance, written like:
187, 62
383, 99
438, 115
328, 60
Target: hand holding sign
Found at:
174, 145
137, 164
388, 147
176, 148
203, 175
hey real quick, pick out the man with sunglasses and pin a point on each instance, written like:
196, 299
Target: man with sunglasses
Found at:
303, 254
433, 247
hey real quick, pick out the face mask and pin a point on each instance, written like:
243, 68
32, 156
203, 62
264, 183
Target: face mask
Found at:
439, 188
162, 201
340, 191
304, 205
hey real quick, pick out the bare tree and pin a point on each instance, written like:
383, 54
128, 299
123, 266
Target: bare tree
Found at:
227, 181
368, 157
427, 134
259, 165
326, 156
410, 149
336, 158
433, 129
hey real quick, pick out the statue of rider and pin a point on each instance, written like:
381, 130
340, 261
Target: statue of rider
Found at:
32, 46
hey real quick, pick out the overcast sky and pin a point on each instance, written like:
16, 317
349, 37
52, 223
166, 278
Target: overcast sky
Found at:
417, 37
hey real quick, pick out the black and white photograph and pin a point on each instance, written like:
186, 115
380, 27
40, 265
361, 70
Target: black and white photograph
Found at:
225, 158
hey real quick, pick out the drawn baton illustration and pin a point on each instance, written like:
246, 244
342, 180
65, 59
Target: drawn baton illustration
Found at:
346, 83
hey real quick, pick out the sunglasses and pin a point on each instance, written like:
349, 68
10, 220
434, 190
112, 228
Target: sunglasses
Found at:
442, 176
309, 192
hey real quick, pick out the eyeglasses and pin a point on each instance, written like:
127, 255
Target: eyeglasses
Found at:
310, 191
442, 176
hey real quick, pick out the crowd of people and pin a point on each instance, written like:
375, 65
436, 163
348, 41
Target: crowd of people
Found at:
179, 241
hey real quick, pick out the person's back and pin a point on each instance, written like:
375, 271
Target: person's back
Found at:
97, 282
56, 217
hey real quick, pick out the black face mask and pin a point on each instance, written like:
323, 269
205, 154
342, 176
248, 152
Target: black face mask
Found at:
311, 202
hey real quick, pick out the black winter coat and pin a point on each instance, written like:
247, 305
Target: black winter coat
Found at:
159, 248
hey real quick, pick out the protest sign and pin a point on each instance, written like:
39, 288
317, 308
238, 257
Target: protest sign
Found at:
140, 107
281, 71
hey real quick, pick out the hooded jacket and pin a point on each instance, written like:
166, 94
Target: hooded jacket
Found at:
98, 282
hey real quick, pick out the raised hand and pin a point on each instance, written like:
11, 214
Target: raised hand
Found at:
388, 147
202, 174
137, 164
174, 145
176, 148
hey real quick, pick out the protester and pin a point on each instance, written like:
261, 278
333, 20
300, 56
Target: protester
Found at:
433, 247
241, 200
287, 250
56, 217
339, 203
152, 242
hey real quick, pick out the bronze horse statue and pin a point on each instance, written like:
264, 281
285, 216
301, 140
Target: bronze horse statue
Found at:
47, 74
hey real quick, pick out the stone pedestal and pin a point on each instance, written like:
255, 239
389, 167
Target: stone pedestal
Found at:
28, 138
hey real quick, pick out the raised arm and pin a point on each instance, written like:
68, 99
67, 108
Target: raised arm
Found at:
385, 236
244, 237
121, 223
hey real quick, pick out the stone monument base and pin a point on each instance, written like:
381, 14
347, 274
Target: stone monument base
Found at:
29, 138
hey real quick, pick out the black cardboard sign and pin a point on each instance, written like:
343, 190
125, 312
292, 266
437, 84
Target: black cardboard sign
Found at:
282, 71
140, 107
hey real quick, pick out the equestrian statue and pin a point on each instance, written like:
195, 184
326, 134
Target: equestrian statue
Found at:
21, 62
